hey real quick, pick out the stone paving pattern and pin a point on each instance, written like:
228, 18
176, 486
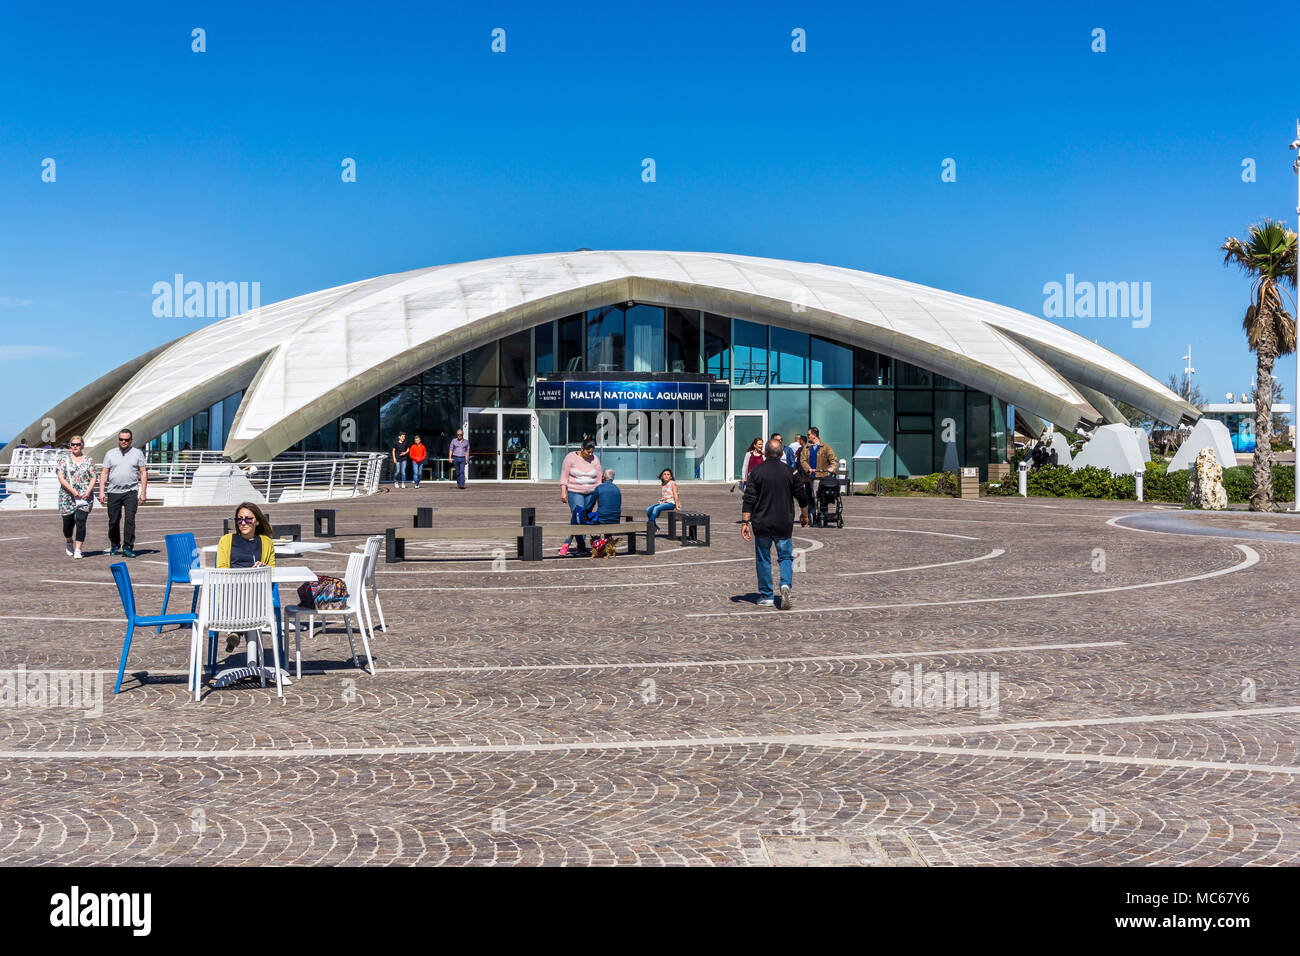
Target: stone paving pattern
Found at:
645, 711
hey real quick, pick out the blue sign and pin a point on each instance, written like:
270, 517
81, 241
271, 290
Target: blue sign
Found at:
640, 396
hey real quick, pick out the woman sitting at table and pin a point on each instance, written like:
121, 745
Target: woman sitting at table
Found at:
250, 545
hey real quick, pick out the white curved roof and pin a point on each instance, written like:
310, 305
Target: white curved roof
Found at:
306, 360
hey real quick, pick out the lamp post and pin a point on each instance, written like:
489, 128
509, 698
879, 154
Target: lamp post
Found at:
1295, 497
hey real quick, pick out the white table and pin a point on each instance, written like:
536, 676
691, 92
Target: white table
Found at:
279, 575
287, 549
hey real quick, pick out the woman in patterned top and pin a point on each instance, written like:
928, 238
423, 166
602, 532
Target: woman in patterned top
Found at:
76, 474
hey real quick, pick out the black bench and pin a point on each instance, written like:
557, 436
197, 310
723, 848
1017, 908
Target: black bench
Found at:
324, 518
620, 530
528, 539
691, 521
424, 516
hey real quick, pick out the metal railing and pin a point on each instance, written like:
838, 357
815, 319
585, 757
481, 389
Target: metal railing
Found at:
28, 464
287, 479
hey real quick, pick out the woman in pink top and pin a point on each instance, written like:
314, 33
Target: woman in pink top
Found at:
668, 498
753, 458
579, 478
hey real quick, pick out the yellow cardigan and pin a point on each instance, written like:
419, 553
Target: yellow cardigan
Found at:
224, 546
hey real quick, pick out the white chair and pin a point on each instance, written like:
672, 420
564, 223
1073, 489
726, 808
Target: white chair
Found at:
234, 599
354, 579
373, 544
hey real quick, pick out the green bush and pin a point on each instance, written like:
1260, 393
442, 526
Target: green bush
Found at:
940, 484
1158, 483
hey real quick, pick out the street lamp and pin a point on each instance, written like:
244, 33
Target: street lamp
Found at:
1295, 498
1188, 372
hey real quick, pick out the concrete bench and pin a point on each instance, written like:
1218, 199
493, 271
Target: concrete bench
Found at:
325, 519
691, 521
528, 539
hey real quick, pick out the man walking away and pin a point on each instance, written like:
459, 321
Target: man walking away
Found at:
767, 518
401, 458
458, 454
123, 485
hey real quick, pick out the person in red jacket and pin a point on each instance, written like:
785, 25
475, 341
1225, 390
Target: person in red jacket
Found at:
419, 451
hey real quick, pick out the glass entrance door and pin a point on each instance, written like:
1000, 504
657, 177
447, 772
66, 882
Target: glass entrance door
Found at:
501, 443
516, 446
484, 458
743, 428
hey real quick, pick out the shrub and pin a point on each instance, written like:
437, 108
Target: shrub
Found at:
1158, 483
941, 484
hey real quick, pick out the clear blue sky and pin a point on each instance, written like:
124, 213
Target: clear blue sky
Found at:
225, 165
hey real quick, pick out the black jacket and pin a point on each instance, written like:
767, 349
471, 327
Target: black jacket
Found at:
770, 494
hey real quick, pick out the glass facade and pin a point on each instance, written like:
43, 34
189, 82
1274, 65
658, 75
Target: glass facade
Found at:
852, 395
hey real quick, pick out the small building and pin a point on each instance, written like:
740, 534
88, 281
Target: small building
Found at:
1240, 419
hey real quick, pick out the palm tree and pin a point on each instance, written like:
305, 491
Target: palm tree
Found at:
1268, 255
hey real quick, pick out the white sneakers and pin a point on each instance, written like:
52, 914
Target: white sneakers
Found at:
785, 602
67, 549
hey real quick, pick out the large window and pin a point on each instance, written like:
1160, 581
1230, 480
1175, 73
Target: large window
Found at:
516, 369
645, 339
545, 362
572, 344
606, 336
949, 429
749, 352
872, 370
717, 346
831, 364
873, 421
832, 414
399, 411
788, 358
787, 414
481, 365
682, 339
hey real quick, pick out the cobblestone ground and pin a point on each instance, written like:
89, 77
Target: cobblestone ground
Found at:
1134, 698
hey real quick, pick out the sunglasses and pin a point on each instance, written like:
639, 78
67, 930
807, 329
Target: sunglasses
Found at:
246, 520
126, 440
74, 444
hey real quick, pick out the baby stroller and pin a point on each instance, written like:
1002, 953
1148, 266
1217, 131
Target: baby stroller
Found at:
828, 506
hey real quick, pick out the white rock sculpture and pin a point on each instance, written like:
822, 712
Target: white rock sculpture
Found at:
1205, 483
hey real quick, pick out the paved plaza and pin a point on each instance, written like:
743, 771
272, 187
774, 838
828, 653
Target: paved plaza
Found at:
961, 682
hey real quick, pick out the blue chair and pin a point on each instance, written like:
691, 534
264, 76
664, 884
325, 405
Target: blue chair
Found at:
182, 556
134, 620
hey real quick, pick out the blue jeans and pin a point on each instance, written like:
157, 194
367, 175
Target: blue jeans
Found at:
458, 465
417, 469
399, 471
586, 503
763, 563
654, 511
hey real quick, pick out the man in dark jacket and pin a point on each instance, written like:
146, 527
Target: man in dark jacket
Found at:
767, 518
